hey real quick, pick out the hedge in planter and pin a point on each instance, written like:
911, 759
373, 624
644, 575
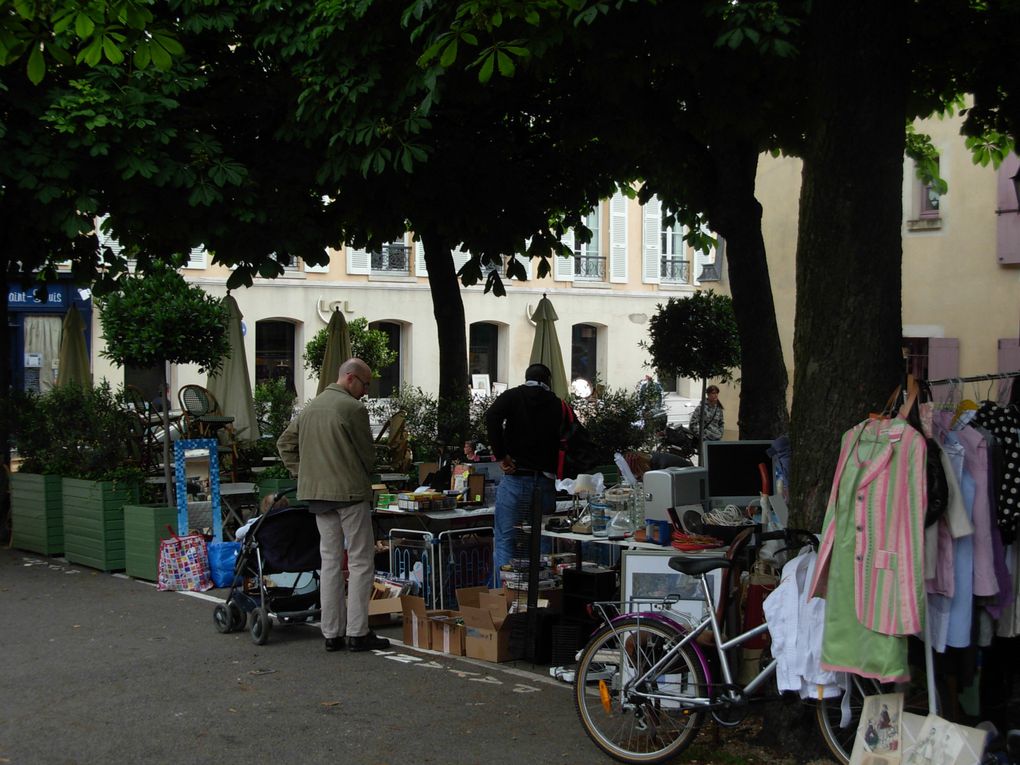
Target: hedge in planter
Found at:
145, 526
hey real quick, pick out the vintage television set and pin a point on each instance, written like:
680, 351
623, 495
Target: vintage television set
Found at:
732, 468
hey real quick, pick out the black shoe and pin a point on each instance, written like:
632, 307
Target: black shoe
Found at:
368, 642
335, 644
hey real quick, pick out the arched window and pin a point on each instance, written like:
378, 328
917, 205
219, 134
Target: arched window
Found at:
584, 353
483, 350
274, 352
387, 380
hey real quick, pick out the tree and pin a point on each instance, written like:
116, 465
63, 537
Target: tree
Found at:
160, 319
695, 337
369, 345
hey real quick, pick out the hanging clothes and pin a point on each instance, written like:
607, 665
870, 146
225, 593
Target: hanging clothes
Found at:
1003, 422
870, 565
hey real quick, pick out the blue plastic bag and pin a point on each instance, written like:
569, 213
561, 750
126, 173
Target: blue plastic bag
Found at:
222, 557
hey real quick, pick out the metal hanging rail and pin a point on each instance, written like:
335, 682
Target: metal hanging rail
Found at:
976, 378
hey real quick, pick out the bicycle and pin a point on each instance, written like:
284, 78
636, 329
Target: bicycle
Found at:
643, 685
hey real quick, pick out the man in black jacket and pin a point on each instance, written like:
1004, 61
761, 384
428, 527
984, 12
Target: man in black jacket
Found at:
524, 426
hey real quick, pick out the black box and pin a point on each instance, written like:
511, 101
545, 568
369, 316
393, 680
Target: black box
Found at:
591, 584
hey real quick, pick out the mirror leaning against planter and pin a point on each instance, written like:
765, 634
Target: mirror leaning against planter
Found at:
76, 472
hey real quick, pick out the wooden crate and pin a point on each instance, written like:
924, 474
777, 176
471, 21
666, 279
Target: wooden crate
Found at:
94, 522
37, 519
145, 526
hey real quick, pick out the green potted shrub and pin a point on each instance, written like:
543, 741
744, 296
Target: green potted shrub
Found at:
274, 479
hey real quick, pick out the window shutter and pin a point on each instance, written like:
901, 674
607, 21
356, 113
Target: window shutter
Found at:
358, 261
618, 238
943, 362
460, 257
651, 255
526, 262
563, 269
310, 269
1009, 361
420, 269
702, 259
197, 257
1007, 225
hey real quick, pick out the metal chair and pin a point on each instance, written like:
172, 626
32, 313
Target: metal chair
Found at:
203, 419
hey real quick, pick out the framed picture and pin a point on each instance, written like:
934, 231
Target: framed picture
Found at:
498, 387
480, 382
645, 575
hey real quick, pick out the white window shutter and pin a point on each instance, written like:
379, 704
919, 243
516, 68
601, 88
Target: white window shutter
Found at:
700, 259
197, 258
563, 270
460, 257
420, 269
358, 261
651, 245
526, 262
107, 241
618, 238
310, 269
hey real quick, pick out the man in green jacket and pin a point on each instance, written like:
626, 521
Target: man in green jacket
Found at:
329, 448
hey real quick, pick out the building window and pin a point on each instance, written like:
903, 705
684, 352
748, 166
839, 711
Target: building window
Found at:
386, 381
589, 265
584, 353
392, 258
668, 382
483, 350
148, 381
675, 267
274, 352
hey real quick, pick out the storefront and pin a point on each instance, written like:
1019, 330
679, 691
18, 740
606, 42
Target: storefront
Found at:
33, 327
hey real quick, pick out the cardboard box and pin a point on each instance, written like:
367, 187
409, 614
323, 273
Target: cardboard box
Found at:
417, 630
487, 631
382, 608
447, 628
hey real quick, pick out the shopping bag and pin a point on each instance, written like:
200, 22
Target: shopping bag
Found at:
183, 564
222, 559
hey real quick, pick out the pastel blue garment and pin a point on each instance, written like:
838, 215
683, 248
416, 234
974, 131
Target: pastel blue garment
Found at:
961, 610
513, 500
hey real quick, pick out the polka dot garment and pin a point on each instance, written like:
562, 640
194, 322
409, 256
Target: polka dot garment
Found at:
1004, 424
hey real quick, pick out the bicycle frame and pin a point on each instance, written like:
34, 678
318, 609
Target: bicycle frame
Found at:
733, 693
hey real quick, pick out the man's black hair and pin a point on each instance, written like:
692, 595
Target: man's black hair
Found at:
539, 373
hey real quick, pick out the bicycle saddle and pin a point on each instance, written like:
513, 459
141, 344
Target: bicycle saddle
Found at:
697, 566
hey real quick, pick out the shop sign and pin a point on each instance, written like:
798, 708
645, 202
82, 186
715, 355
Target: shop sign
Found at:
17, 296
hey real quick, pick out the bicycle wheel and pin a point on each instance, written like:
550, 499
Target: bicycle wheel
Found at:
623, 723
829, 712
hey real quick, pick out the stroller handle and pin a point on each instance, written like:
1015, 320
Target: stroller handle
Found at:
283, 493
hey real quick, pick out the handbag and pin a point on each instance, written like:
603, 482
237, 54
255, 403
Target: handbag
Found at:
576, 452
183, 563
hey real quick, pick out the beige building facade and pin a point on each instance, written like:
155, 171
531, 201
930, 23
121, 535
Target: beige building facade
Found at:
961, 289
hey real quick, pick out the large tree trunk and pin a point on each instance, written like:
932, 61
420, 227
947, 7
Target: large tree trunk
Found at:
847, 354
448, 308
736, 215
6, 412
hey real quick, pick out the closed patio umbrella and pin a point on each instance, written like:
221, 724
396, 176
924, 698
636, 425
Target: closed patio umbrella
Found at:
231, 386
338, 350
546, 347
73, 356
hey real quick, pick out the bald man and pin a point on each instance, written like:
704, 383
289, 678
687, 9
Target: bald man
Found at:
329, 448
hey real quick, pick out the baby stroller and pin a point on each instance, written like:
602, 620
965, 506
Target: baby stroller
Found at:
284, 540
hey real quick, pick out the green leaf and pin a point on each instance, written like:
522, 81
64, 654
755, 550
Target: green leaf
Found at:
405, 160
143, 56
36, 66
485, 73
113, 53
83, 26
506, 64
736, 38
449, 54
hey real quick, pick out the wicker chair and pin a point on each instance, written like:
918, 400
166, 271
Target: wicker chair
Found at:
203, 419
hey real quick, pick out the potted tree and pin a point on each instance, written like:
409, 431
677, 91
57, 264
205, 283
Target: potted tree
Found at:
160, 319
695, 337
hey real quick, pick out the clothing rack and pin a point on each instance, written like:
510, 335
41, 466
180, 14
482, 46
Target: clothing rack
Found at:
975, 378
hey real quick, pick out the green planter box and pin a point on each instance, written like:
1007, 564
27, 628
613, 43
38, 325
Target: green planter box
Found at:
145, 526
37, 517
269, 486
94, 522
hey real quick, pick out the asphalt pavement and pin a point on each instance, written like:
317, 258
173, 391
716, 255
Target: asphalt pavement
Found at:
102, 668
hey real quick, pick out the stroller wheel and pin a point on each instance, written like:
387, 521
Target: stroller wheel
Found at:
260, 626
238, 618
221, 618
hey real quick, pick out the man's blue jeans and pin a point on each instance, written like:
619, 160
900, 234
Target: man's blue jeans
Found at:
513, 504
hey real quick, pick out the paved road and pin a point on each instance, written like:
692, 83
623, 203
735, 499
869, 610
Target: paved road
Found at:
100, 668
